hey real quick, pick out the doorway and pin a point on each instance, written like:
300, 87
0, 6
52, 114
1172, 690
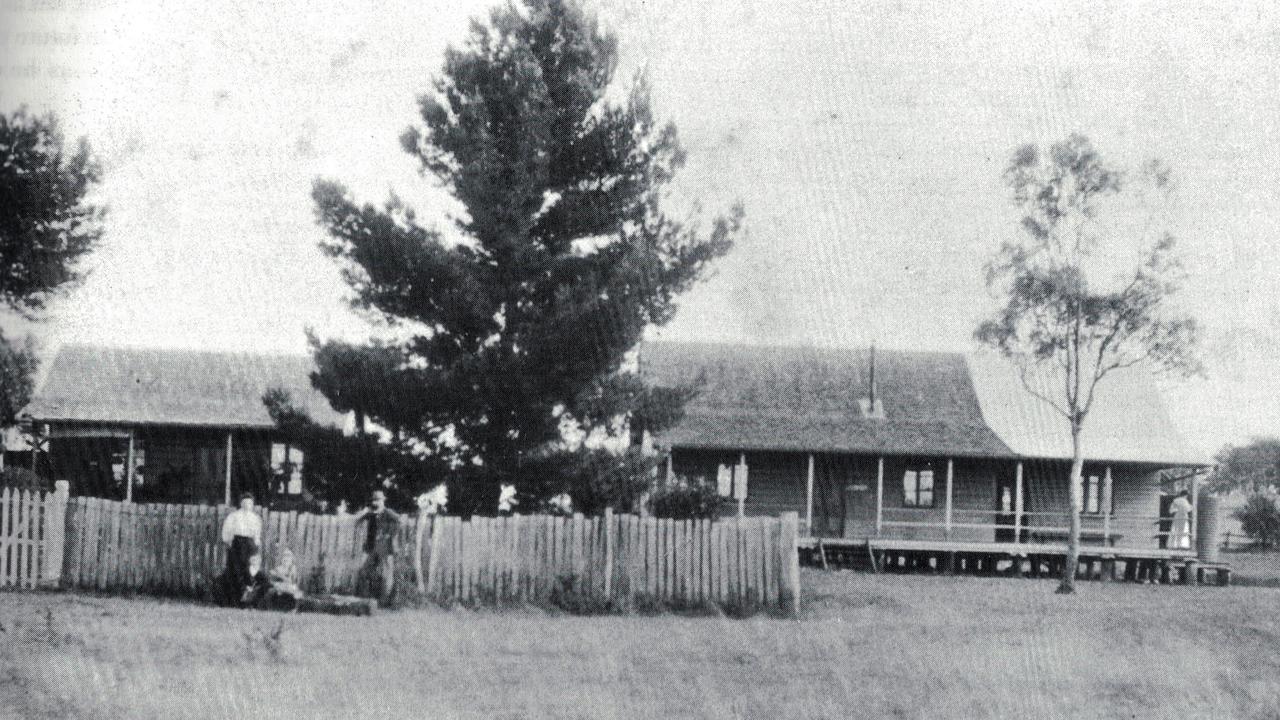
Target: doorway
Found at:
829, 478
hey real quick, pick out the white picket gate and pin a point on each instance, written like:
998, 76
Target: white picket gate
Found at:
32, 528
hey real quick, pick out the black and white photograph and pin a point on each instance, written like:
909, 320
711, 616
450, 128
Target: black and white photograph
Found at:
379, 359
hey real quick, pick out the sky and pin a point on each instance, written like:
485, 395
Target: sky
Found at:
866, 142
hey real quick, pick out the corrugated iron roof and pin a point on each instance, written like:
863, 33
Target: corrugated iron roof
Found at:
112, 385
943, 404
752, 398
1127, 423
808, 399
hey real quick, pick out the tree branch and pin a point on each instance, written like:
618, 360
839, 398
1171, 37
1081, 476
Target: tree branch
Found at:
1026, 384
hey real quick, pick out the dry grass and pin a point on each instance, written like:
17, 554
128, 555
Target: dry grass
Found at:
868, 646
1257, 567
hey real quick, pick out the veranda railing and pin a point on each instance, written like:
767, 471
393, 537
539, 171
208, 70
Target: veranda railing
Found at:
1114, 529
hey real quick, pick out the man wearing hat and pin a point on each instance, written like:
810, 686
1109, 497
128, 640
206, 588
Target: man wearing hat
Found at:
381, 540
242, 534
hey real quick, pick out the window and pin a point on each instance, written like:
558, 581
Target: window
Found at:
120, 463
724, 481
1092, 495
286, 466
917, 488
731, 481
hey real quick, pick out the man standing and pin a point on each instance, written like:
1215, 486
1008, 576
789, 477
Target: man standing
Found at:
378, 576
242, 534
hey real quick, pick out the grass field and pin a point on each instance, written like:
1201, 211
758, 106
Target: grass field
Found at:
1254, 568
867, 646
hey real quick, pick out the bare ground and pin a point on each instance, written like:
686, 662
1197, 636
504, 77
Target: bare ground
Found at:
867, 646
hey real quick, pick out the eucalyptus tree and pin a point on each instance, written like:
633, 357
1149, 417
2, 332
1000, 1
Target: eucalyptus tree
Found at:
1084, 295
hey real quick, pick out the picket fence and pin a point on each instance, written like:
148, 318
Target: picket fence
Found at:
740, 562
31, 536
177, 549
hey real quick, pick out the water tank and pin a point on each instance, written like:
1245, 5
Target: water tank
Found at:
1208, 523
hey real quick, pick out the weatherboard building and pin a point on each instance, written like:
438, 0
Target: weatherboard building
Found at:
889, 448
170, 425
921, 450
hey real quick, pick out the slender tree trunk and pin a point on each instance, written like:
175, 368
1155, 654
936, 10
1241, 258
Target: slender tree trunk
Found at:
1068, 584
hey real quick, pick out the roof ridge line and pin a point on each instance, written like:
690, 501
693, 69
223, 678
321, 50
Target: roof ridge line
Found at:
797, 346
177, 350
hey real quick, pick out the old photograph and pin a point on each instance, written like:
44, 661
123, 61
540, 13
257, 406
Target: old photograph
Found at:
639, 359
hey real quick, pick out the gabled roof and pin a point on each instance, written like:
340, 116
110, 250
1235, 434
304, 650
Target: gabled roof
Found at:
132, 386
935, 404
1127, 422
808, 399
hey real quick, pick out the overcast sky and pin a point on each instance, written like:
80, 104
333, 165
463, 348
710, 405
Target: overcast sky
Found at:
866, 142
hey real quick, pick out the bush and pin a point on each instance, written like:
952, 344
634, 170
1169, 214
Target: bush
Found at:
1260, 519
569, 597
685, 500
566, 595
20, 478
596, 478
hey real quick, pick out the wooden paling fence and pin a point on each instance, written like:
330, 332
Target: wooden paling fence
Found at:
177, 549
31, 535
749, 562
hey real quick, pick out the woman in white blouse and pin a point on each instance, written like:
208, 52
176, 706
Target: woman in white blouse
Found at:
1180, 529
242, 534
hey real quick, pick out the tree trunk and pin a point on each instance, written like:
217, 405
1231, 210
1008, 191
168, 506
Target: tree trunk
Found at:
1068, 584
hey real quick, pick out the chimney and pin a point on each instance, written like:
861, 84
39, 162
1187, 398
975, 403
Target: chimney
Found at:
871, 405
871, 391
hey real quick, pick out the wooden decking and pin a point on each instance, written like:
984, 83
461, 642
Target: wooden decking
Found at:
1103, 562
1010, 549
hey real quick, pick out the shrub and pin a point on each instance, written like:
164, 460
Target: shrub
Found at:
567, 595
685, 500
1260, 519
21, 478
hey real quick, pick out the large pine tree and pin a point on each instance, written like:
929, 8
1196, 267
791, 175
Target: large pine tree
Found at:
520, 331
48, 224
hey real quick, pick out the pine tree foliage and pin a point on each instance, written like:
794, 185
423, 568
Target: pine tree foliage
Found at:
522, 330
48, 224
17, 373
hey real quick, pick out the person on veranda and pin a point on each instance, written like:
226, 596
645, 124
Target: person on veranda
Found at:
1180, 529
242, 534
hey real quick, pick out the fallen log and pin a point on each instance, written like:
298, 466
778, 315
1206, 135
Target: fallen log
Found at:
337, 605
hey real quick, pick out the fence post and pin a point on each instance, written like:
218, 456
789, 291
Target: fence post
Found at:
434, 578
608, 554
55, 523
789, 567
420, 529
